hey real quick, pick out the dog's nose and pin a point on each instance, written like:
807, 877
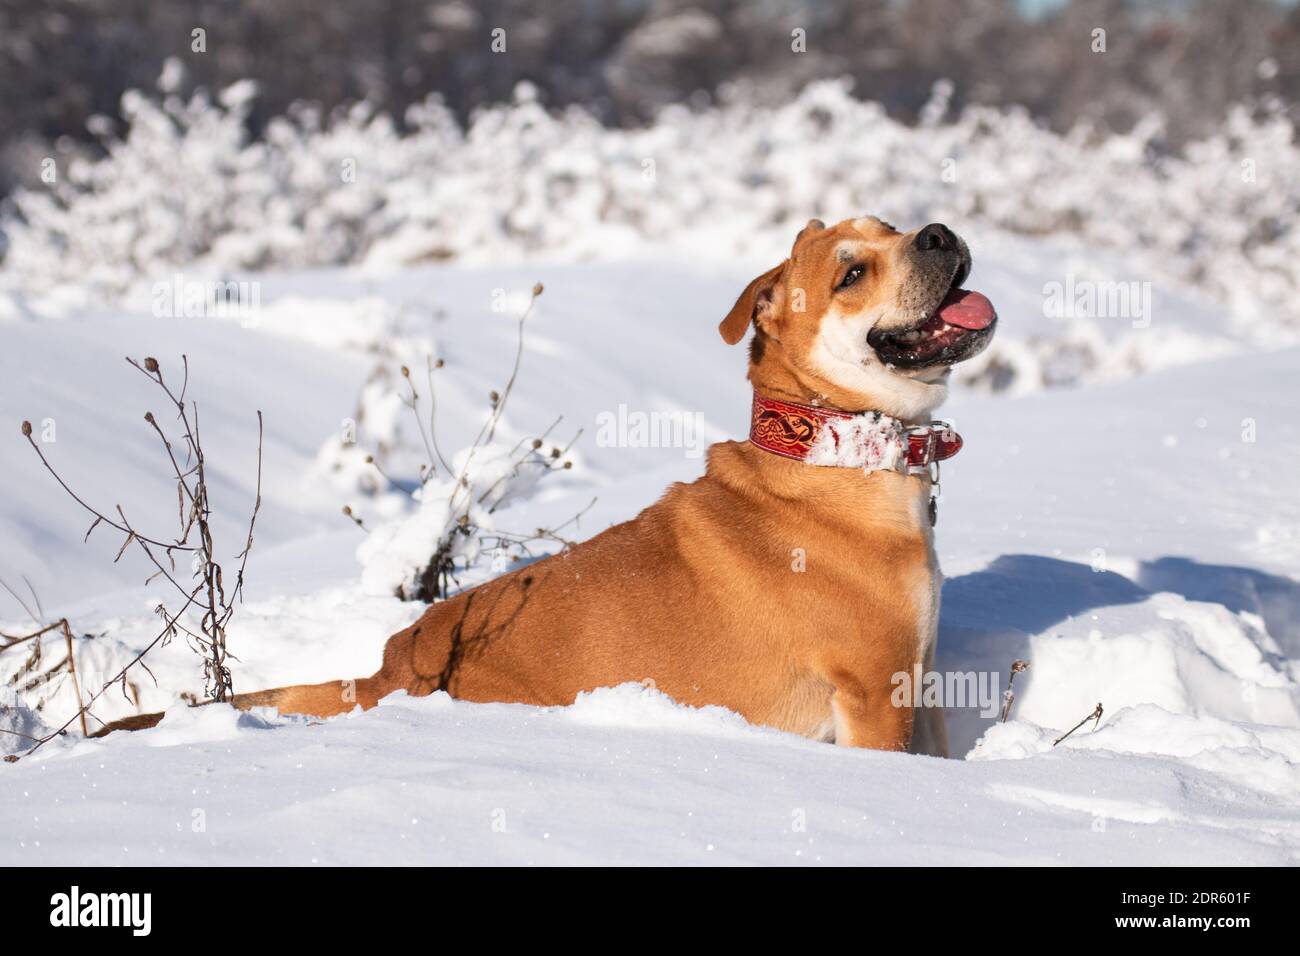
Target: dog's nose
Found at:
935, 236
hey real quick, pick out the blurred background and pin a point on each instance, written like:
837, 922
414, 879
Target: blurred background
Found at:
1173, 71
1084, 109
64, 62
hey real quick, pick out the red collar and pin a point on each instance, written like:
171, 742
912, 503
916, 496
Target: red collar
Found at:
867, 440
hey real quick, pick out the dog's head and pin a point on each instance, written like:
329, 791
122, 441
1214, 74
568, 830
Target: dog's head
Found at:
862, 316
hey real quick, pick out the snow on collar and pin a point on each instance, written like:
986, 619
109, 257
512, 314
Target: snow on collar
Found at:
868, 440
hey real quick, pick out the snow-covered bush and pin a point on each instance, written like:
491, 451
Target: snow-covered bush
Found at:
443, 531
185, 187
453, 526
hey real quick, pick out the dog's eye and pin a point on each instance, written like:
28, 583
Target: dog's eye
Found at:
852, 276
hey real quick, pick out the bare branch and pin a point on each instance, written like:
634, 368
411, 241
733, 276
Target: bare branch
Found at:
1095, 715
79, 500
21, 603
76, 684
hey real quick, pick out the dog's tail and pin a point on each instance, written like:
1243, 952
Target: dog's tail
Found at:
314, 700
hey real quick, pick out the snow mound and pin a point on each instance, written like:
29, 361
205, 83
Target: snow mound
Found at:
1177, 677
1259, 756
1187, 657
183, 724
643, 707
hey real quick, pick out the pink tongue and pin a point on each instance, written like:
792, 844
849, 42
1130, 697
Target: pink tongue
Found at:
969, 310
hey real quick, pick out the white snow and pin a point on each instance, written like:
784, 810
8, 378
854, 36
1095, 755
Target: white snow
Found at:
1134, 538
871, 442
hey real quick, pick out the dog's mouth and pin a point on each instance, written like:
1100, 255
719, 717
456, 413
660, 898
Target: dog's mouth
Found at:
960, 327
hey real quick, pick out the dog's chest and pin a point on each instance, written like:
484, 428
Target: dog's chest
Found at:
868, 599
925, 596
927, 581
874, 568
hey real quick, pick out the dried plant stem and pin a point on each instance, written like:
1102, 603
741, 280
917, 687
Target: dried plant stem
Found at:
31, 666
414, 403
13, 640
430, 365
99, 516
1009, 695
372, 462
238, 593
36, 615
351, 516
72, 670
519, 356
522, 541
1095, 715
499, 401
218, 608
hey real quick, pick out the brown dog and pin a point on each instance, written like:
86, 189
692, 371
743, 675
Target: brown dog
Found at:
797, 578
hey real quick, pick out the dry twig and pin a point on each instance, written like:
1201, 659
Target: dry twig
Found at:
1008, 696
1095, 715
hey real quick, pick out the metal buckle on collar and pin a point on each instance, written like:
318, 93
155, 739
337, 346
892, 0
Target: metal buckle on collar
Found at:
928, 434
935, 436
927, 449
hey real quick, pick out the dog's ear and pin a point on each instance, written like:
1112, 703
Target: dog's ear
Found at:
754, 304
814, 226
